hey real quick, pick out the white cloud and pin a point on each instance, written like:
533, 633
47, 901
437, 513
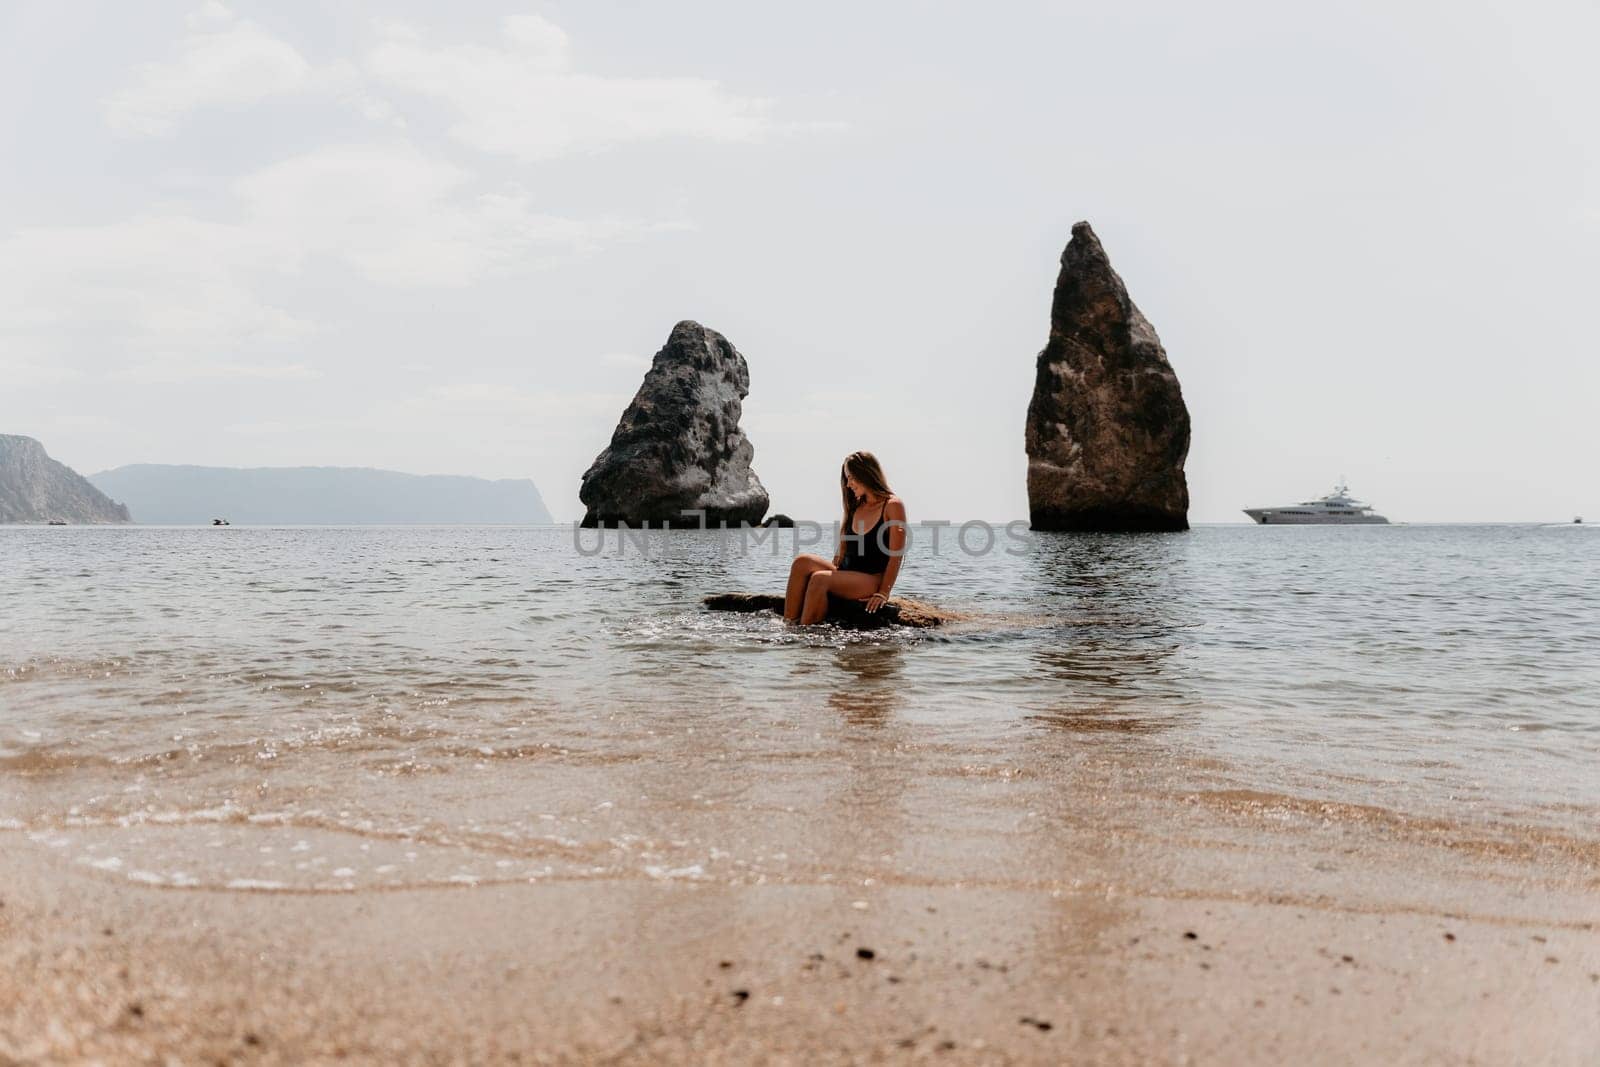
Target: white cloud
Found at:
807, 412
522, 97
154, 275
181, 371
263, 428
403, 218
491, 414
172, 285
177, 293
82, 421
18, 372
221, 62
471, 400
343, 81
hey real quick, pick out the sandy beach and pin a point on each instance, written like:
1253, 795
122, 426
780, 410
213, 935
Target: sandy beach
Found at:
724, 535
1224, 927
427, 823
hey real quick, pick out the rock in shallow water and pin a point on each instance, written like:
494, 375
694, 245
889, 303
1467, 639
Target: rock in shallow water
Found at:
678, 448
852, 613
1107, 431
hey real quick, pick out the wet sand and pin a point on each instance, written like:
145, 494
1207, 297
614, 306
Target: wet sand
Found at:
1228, 927
463, 795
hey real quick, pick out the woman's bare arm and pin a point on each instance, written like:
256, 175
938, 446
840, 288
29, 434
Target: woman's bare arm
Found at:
894, 513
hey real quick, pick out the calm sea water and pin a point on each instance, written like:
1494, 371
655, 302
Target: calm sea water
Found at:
334, 709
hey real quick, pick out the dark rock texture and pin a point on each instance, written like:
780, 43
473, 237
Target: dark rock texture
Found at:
853, 613
678, 447
35, 488
780, 519
1107, 428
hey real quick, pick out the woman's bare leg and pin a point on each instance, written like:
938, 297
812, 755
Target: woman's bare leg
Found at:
803, 567
852, 585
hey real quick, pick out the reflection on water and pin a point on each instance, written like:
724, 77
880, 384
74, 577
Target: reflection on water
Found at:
1128, 604
1107, 718
868, 691
335, 709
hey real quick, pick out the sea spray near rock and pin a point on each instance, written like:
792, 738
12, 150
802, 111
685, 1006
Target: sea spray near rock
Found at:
1107, 431
678, 451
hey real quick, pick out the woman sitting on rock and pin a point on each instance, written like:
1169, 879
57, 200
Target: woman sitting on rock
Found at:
872, 540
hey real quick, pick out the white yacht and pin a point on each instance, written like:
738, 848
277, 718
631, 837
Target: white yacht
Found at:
1337, 507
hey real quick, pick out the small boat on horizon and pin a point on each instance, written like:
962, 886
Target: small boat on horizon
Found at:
1335, 508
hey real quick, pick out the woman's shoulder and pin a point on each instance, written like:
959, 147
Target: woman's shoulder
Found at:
894, 507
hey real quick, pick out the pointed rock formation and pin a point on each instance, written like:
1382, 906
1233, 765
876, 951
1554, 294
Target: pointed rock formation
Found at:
678, 448
1107, 428
36, 488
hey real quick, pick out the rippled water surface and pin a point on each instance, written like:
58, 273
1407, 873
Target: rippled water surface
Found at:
334, 709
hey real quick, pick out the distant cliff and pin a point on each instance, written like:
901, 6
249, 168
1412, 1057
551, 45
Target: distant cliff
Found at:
317, 496
35, 488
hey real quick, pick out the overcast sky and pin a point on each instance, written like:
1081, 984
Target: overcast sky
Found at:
448, 238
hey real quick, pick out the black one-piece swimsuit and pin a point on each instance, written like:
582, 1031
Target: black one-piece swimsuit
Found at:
865, 552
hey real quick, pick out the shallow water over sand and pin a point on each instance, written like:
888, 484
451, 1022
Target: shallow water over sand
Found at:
339, 709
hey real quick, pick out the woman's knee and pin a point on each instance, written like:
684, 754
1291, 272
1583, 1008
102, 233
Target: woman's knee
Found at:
817, 584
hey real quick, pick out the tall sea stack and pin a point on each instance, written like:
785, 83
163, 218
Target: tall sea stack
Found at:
678, 448
1107, 428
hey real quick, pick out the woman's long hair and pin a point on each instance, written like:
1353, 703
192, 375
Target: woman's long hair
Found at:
864, 467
